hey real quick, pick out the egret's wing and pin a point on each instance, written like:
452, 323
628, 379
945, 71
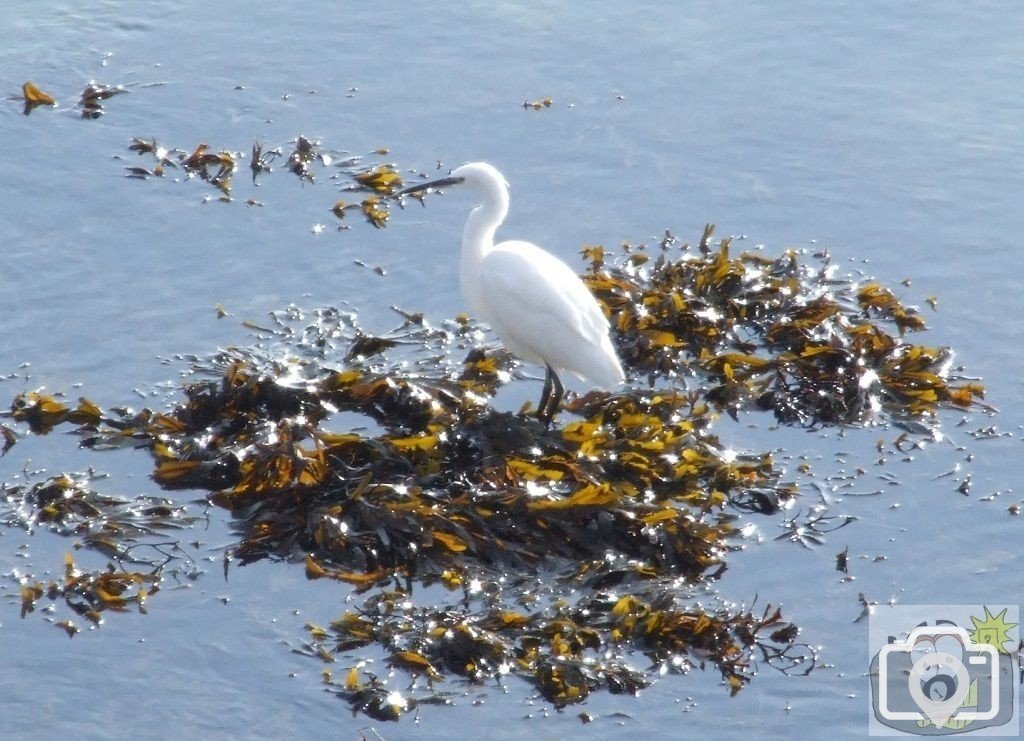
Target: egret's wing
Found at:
538, 306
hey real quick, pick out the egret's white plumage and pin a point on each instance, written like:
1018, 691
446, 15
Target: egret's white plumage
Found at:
533, 301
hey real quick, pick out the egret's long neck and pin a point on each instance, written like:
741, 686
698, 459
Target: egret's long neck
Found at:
477, 241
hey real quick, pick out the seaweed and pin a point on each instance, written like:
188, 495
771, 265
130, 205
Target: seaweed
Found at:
91, 100
132, 533
559, 553
34, 97
774, 334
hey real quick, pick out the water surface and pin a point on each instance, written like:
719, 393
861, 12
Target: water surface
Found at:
891, 135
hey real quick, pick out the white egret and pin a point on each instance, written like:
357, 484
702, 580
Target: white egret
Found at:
536, 305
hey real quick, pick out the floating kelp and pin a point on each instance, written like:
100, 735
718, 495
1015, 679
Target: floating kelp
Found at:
537, 105
383, 179
34, 97
91, 100
375, 212
9, 439
557, 553
215, 168
567, 650
777, 334
42, 412
90, 593
380, 181
304, 153
125, 531
68, 506
262, 159
164, 158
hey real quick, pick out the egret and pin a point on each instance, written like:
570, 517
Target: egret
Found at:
536, 305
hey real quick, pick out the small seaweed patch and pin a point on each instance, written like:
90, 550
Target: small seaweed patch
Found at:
567, 650
91, 101
553, 555
376, 183
133, 534
34, 97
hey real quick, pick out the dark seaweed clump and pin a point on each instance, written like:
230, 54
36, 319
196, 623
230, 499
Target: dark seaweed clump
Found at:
552, 555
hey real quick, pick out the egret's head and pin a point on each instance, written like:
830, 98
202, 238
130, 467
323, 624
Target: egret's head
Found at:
478, 176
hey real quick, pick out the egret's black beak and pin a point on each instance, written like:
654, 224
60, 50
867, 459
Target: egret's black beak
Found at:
442, 183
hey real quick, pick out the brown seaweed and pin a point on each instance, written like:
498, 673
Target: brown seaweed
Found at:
563, 550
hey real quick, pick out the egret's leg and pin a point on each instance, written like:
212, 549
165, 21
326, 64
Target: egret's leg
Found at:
557, 395
545, 395
551, 398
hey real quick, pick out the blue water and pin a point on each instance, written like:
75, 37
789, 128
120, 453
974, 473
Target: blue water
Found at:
890, 134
